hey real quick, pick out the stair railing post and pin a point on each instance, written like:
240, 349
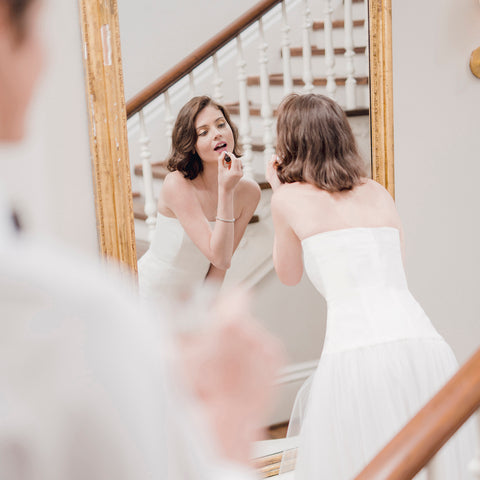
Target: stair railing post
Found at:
169, 119
150, 207
350, 85
244, 107
329, 51
217, 81
266, 109
287, 69
191, 84
367, 54
307, 48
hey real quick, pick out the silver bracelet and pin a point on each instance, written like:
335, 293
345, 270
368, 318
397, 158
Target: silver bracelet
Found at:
225, 220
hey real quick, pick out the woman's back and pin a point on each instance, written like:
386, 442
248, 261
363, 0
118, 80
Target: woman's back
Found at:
310, 210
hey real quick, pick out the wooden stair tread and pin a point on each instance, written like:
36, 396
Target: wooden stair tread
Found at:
298, 51
159, 170
138, 203
276, 79
255, 111
319, 25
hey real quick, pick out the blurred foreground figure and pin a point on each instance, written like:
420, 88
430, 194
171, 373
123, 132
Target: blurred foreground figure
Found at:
86, 388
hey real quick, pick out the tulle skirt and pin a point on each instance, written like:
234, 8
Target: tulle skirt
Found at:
358, 399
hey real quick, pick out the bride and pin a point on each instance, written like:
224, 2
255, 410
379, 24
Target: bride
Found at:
382, 359
204, 206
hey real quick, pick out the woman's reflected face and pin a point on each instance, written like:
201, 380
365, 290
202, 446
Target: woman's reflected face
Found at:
214, 134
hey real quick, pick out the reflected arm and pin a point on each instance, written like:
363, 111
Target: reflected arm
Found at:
287, 248
248, 195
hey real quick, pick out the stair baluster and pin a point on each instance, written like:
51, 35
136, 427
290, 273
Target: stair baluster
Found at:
217, 80
191, 84
350, 90
307, 48
475, 463
287, 70
150, 207
367, 42
266, 109
169, 118
244, 107
329, 51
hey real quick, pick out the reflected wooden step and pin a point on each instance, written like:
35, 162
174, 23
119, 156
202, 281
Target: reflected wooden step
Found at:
159, 170
138, 206
298, 51
337, 24
255, 111
276, 79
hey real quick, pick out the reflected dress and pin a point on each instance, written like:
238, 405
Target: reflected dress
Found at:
382, 360
173, 264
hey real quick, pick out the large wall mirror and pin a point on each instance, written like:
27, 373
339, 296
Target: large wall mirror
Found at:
349, 57
338, 48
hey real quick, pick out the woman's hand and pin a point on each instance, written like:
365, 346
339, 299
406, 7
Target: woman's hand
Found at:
230, 367
271, 173
229, 172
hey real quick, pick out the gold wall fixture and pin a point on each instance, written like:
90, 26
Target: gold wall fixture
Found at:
475, 62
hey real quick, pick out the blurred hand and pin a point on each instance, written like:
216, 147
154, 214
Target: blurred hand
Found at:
231, 367
271, 173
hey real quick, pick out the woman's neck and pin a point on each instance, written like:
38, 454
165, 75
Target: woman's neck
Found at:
209, 175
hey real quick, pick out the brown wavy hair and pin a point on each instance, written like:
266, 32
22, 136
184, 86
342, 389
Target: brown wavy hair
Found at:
315, 144
183, 157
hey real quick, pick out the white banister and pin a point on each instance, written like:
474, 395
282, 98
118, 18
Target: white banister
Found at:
217, 80
475, 463
350, 90
307, 48
287, 69
150, 207
367, 41
169, 119
191, 84
244, 107
329, 51
266, 108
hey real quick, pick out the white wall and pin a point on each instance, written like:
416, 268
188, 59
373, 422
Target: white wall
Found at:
167, 31
437, 160
49, 175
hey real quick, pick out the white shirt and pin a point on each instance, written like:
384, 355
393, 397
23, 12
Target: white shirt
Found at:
84, 387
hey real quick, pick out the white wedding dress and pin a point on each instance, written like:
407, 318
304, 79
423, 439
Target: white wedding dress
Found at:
173, 264
382, 360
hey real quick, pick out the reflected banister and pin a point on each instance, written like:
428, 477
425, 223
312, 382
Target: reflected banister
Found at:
198, 56
416, 444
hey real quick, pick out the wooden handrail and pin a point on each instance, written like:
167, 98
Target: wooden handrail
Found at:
417, 443
198, 56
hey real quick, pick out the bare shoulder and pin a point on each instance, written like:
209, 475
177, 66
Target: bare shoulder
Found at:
248, 186
286, 195
248, 191
375, 186
173, 184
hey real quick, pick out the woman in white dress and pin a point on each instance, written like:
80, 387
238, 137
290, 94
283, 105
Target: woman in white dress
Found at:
382, 359
204, 206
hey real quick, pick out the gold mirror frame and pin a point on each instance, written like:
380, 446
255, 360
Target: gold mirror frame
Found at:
108, 120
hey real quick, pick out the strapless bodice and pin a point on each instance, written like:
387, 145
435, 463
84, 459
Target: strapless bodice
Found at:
360, 273
173, 262
341, 262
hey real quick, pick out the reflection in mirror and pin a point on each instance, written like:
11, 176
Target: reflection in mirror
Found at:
273, 49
